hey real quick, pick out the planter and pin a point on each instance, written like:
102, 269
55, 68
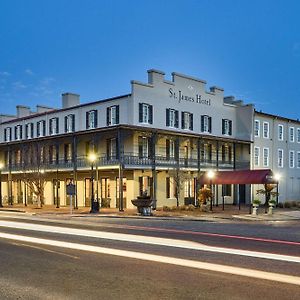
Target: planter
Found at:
255, 208
271, 208
143, 205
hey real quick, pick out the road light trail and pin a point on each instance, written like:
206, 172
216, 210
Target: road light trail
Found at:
160, 259
147, 240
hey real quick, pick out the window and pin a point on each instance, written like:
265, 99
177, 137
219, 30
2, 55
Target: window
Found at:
266, 130
41, 128
226, 153
112, 148
189, 188
205, 124
226, 189
298, 135
298, 159
266, 157
145, 113
29, 131
69, 123
7, 134
206, 152
187, 120
144, 151
172, 118
146, 185
280, 132
170, 187
292, 159
68, 153
105, 188
53, 154
226, 127
53, 126
91, 119
112, 115
256, 156
18, 132
256, 128
280, 158
170, 149
292, 134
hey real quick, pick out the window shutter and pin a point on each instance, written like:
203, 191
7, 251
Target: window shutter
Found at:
209, 124
209, 151
21, 132
168, 187
50, 126
140, 148
150, 147
108, 121
176, 118
151, 186
168, 149
191, 122
182, 120
141, 185
167, 117
87, 120
66, 152
108, 149
15, 132
57, 153
117, 149
140, 112
229, 153
44, 127
117, 114
202, 123
26, 131
31, 129
230, 127
73, 123
96, 117
177, 148
223, 126
150, 114
66, 123
57, 125
38, 128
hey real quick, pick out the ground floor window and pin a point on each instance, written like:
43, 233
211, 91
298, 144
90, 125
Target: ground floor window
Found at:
146, 185
170, 187
226, 189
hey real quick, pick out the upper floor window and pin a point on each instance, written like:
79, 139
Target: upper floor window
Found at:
266, 130
29, 131
91, 119
187, 120
256, 156
206, 152
292, 159
298, 159
172, 118
280, 158
170, 149
18, 132
145, 113
144, 147
70, 123
266, 157
205, 124
256, 128
7, 134
226, 127
298, 135
41, 128
292, 134
53, 154
112, 115
53, 126
280, 132
68, 152
226, 153
112, 148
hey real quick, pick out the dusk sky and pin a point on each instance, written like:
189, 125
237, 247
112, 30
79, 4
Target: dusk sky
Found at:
94, 48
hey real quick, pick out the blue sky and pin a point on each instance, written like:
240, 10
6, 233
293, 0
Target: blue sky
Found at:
94, 48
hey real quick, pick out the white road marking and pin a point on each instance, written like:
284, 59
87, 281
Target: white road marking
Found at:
147, 240
160, 259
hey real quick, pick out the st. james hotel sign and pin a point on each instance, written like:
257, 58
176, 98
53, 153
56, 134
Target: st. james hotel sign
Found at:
179, 96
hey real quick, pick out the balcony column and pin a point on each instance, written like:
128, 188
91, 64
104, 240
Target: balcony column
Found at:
154, 174
74, 159
120, 153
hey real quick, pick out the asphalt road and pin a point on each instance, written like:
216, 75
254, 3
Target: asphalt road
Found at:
124, 268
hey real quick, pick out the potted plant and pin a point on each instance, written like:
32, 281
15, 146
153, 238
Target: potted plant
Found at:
272, 204
255, 204
204, 196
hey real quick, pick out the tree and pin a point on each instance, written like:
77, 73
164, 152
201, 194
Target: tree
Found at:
179, 177
33, 166
268, 192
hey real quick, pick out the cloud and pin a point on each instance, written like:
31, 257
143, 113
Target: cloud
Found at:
47, 81
4, 73
18, 85
29, 72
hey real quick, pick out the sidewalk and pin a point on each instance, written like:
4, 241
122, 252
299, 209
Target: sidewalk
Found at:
230, 213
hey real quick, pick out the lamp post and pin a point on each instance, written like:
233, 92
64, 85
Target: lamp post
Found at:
210, 176
1, 167
94, 203
277, 177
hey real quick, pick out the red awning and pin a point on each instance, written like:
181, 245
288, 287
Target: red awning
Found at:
239, 177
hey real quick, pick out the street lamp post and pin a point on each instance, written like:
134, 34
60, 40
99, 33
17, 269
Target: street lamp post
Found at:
94, 202
211, 175
1, 167
277, 177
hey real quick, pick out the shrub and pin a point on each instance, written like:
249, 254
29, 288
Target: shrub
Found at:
298, 204
287, 204
174, 207
280, 205
182, 207
190, 207
294, 203
256, 202
166, 208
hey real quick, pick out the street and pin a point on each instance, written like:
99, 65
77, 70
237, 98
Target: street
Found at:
131, 258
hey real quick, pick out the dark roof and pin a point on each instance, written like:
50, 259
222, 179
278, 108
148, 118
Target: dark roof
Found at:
277, 117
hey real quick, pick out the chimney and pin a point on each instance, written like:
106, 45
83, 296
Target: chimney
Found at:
23, 111
41, 109
155, 76
70, 100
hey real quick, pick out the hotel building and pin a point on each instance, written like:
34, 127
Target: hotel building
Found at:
141, 140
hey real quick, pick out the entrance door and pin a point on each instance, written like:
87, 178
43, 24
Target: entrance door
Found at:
124, 193
242, 193
105, 192
87, 192
56, 192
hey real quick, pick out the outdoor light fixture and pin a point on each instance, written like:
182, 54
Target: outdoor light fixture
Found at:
1, 167
94, 202
210, 175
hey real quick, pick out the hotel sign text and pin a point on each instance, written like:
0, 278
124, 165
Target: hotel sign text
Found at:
179, 96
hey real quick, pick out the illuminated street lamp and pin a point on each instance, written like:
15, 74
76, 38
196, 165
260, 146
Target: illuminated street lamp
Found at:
277, 178
1, 167
94, 202
210, 175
